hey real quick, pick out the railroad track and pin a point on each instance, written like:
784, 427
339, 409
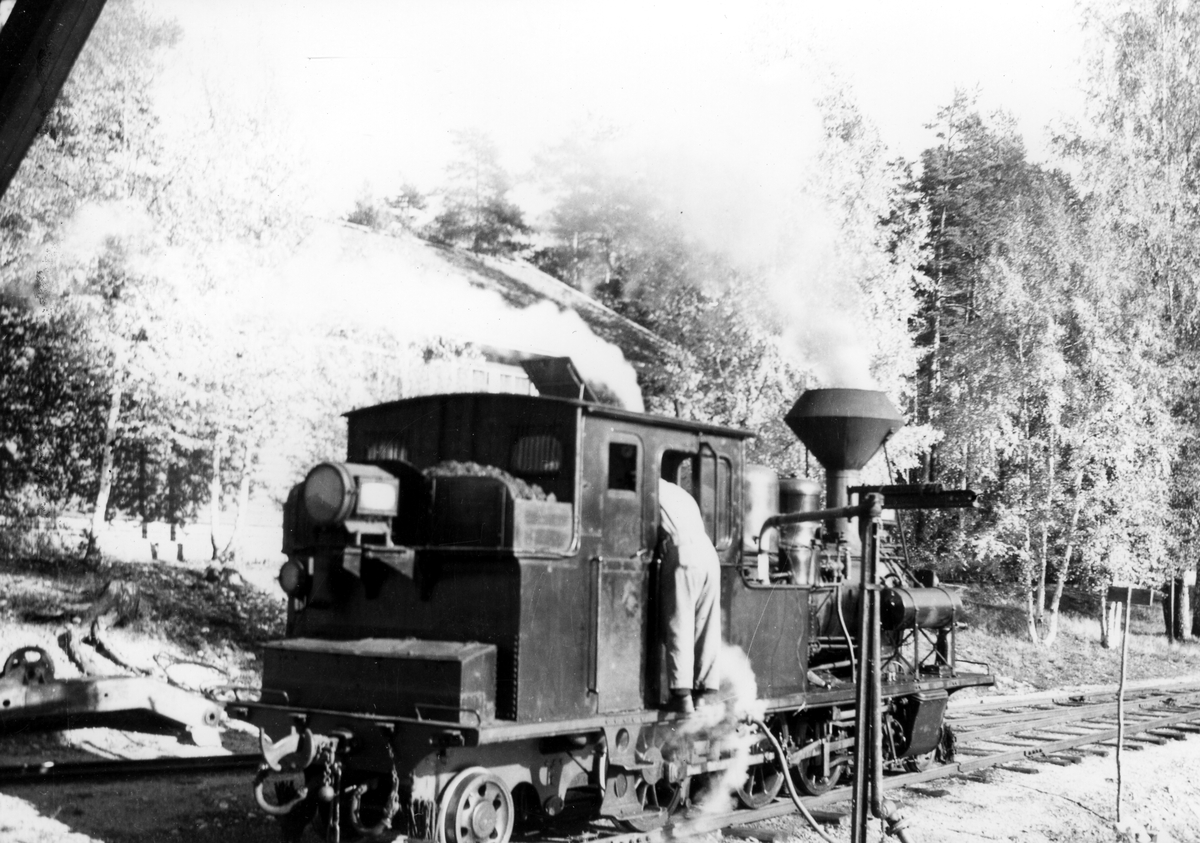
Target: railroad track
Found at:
1000, 733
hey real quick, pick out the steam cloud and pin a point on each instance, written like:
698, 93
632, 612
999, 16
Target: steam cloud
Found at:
811, 285
728, 727
401, 285
770, 218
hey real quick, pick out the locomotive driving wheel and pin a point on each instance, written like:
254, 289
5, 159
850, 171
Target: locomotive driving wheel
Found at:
476, 807
763, 781
649, 795
811, 773
659, 800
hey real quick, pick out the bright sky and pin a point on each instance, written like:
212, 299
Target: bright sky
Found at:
375, 87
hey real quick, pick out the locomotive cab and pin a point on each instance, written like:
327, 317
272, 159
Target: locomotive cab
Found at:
486, 528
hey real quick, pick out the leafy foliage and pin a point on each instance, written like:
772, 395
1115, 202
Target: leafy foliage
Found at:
54, 406
476, 211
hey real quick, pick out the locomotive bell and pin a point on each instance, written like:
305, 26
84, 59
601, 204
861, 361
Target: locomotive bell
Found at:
843, 429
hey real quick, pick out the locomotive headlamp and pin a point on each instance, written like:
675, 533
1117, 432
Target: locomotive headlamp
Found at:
333, 491
293, 579
328, 493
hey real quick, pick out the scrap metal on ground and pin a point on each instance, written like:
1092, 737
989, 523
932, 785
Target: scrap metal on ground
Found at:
32, 697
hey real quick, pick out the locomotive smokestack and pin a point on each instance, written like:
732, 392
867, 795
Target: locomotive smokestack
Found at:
843, 429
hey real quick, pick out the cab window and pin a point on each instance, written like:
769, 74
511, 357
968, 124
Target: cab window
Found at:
707, 477
622, 466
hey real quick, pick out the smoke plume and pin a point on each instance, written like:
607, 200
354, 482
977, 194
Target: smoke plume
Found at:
343, 277
728, 728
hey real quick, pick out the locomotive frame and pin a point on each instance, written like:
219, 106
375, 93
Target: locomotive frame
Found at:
460, 657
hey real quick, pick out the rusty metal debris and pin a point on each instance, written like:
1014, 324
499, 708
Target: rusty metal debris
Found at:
32, 697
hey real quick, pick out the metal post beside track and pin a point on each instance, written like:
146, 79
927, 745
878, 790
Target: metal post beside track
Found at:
867, 791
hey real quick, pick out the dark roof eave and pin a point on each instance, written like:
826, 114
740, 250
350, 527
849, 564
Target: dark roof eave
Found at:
602, 410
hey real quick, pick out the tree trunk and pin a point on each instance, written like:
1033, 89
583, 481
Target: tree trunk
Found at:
214, 497
1040, 599
1065, 567
104, 488
1044, 551
1029, 620
1194, 594
1185, 608
1052, 624
1033, 613
233, 548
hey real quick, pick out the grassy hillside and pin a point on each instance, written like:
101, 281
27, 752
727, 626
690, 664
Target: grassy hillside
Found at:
996, 635
188, 617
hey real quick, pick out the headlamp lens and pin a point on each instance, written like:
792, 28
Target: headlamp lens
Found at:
327, 493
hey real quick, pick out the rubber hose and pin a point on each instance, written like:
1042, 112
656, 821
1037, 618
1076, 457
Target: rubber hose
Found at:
787, 780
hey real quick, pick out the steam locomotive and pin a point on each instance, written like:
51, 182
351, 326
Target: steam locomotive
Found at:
473, 633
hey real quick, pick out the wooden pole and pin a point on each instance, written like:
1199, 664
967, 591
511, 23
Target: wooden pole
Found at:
1121, 697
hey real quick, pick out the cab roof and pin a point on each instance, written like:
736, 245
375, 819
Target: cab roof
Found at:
534, 401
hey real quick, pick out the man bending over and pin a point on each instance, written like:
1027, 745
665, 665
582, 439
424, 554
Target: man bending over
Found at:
690, 586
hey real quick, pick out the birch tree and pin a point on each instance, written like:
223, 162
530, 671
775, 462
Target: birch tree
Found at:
1137, 156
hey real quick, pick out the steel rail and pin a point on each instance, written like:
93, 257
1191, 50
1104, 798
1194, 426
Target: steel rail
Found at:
125, 768
1043, 719
1073, 704
1060, 698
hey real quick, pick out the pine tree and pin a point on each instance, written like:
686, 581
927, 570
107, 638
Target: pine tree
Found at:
476, 211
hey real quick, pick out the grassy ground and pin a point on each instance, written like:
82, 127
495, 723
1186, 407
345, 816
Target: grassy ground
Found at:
997, 635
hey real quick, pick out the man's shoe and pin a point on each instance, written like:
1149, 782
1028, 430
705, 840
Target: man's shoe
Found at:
680, 701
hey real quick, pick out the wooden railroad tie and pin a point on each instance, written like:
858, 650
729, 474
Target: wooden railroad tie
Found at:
1059, 760
1134, 747
1091, 750
1169, 734
834, 818
1018, 768
1146, 737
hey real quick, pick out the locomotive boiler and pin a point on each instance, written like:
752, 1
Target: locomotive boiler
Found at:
473, 638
